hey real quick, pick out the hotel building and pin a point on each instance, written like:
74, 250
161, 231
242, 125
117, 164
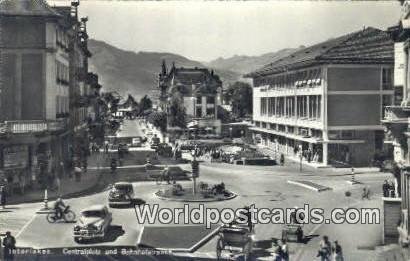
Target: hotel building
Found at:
327, 99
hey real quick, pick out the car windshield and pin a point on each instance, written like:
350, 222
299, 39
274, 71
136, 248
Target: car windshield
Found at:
93, 213
123, 188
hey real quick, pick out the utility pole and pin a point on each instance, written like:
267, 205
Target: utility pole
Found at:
195, 171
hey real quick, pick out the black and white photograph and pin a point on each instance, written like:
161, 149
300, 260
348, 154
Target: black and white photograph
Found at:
204, 130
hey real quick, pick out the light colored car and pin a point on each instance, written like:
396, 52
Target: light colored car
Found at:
93, 223
122, 193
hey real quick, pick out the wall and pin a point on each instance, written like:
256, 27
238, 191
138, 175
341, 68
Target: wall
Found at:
23, 32
353, 79
32, 93
348, 110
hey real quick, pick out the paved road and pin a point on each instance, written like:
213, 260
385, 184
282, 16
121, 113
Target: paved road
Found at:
265, 187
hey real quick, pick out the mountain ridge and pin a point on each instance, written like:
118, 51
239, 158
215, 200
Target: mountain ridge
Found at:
136, 73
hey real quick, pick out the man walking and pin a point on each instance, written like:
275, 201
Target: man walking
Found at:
9, 244
337, 252
325, 249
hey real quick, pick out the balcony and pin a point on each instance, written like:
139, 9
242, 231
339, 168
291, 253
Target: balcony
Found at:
396, 114
32, 126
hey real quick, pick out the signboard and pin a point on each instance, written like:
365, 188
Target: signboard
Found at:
15, 156
399, 64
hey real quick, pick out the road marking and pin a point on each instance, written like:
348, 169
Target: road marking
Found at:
26, 225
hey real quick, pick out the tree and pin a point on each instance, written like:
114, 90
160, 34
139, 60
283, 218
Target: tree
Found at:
177, 114
145, 103
239, 96
159, 120
223, 115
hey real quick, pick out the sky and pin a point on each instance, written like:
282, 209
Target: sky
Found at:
206, 30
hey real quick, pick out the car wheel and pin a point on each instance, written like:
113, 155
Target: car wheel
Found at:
77, 240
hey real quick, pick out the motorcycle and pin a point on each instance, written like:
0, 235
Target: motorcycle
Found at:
67, 214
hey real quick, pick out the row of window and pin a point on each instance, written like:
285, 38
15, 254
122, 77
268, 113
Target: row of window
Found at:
209, 99
299, 79
304, 132
295, 106
62, 105
62, 39
62, 73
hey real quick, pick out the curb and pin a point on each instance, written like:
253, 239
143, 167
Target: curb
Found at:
234, 195
298, 183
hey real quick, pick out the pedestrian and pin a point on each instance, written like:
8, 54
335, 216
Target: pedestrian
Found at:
386, 187
285, 250
325, 249
282, 159
113, 165
3, 197
366, 193
392, 189
9, 244
77, 173
337, 252
277, 250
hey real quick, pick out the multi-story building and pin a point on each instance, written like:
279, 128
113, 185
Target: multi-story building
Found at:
396, 121
38, 76
198, 89
327, 99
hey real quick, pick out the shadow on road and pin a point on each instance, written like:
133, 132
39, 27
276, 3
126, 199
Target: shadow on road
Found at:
306, 239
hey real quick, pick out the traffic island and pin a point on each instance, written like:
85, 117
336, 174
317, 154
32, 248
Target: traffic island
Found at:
175, 193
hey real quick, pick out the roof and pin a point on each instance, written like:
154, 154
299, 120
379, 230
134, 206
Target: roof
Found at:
94, 208
27, 8
367, 46
193, 75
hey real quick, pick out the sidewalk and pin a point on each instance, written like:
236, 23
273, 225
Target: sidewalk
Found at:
319, 166
90, 181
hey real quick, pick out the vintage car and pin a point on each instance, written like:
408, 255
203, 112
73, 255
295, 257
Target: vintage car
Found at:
93, 223
121, 193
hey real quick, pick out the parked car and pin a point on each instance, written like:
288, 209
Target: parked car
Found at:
122, 193
93, 223
122, 147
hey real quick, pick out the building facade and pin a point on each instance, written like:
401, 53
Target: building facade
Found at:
326, 101
38, 75
198, 89
396, 122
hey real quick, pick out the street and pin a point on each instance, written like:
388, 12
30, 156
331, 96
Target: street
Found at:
263, 186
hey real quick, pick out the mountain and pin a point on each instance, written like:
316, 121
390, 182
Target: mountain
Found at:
136, 73
244, 64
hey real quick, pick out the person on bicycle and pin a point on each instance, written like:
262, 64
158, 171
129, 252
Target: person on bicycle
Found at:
59, 207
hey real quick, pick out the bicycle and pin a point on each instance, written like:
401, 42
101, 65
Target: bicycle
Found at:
67, 214
163, 178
